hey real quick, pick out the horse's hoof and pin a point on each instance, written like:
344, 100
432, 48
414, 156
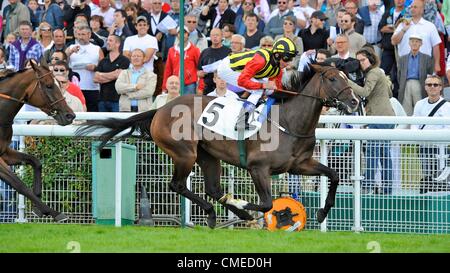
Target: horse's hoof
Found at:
253, 224
37, 212
224, 198
211, 221
61, 218
321, 215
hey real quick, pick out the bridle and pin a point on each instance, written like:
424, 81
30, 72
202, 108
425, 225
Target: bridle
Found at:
328, 101
331, 102
28, 95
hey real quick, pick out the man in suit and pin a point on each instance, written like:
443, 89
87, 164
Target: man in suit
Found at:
412, 72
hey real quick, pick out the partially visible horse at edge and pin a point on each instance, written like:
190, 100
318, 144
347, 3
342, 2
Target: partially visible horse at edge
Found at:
36, 87
298, 116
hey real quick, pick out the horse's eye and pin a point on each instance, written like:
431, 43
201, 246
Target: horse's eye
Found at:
49, 86
332, 79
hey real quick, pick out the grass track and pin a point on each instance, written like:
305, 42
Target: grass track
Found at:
92, 238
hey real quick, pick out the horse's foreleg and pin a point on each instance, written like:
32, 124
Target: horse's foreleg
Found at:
261, 180
312, 167
211, 169
11, 179
13, 157
183, 167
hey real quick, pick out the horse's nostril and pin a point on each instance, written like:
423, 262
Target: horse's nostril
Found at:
70, 116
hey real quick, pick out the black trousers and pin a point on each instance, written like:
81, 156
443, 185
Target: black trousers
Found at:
92, 97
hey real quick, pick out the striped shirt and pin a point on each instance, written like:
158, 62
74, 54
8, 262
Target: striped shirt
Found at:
34, 52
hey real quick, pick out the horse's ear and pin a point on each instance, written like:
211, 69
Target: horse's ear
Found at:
43, 62
316, 67
33, 64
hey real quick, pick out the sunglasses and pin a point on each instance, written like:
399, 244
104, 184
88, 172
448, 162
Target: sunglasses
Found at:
191, 22
433, 85
45, 29
59, 70
267, 45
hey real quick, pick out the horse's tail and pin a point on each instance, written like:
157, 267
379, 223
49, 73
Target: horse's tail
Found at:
140, 122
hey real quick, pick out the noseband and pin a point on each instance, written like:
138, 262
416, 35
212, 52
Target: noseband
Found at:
22, 100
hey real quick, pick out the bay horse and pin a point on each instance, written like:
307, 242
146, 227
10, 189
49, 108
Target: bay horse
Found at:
298, 116
36, 87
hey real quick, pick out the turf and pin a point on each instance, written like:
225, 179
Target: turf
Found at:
91, 238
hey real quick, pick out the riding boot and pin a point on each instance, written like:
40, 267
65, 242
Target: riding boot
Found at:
243, 119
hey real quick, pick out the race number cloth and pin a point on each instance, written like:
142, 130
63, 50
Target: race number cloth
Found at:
221, 114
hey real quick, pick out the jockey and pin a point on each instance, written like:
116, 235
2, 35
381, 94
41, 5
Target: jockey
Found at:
256, 71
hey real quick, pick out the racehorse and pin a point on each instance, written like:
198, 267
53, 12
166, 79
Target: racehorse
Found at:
36, 87
299, 117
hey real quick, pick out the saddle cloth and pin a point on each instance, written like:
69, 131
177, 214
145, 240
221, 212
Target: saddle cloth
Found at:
221, 114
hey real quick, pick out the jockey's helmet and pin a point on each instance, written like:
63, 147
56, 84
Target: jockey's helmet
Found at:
284, 49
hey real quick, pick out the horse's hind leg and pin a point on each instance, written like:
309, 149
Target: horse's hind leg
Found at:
11, 179
312, 167
211, 170
13, 157
183, 168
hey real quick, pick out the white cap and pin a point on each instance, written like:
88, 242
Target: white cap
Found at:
415, 36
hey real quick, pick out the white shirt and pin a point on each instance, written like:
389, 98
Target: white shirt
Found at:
428, 31
142, 43
228, 94
88, 54
108, 16
423, 108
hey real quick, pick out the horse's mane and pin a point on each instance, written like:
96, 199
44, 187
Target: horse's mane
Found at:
296, 81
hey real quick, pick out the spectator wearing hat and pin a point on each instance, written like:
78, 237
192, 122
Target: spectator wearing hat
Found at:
147, 43
275, 25
413, 69
315, 36
191, 59
417, 24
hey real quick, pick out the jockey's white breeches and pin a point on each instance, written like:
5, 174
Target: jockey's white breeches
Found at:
230, 76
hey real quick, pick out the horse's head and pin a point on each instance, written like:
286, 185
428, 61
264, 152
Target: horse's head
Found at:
334, 89
47, 96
